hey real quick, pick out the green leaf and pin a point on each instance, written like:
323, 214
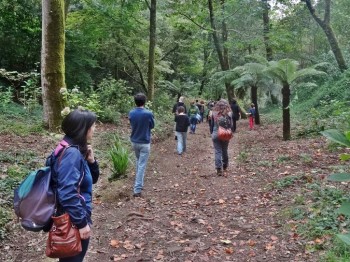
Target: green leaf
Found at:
345, 157
336, 136
344, 209
344, 238
340, 177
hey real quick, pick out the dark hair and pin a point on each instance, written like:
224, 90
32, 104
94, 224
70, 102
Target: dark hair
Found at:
180, 109
76, 125
140, 99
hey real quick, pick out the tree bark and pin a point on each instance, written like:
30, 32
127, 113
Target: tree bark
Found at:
152, 46
52, 61
327, 29
286, 111
266, 22
222, 51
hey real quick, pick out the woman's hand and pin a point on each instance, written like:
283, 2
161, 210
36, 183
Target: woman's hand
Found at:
85, 232
90, 154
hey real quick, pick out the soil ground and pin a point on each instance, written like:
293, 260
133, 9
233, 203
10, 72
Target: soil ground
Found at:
188, 213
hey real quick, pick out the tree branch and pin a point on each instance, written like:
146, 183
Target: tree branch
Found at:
142, 83
169, 52
148, 5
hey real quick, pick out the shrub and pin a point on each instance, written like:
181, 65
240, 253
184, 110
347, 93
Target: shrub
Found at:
120, 157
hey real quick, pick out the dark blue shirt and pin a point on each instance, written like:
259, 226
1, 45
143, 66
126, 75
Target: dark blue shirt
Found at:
142, 121
252, 112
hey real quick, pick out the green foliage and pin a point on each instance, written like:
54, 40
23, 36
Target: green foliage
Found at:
75, 98
5, 217
115, 98
337, 136
6, 96
283, 158
329, 96
342, 139
243, 156
20, 34
322, 219
339, 252
120, 157
30, 93
286, 182
16, 120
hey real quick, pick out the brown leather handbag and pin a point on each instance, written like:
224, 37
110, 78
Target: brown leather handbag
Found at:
224, 134
64, 238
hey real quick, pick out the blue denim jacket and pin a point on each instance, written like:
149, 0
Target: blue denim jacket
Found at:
74, 179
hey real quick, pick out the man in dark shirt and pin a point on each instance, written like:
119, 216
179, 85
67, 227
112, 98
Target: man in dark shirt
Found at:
182, 122
236, 114
175, 107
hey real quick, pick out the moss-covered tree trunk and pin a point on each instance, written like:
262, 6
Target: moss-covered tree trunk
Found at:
152, 47
52, 61
286, 111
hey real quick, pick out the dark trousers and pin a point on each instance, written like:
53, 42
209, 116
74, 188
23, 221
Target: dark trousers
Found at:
234, 124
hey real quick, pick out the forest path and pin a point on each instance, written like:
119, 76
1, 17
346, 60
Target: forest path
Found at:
188, 213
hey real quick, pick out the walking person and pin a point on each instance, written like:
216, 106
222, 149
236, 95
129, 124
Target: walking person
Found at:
236, 114
142, 121
221, 113
192, 114
251, 115
177, 104
182, 122
75, 174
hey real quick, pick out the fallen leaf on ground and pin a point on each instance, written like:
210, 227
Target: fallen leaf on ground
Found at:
114, 243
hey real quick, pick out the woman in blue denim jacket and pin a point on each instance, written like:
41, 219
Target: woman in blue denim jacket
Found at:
75, 172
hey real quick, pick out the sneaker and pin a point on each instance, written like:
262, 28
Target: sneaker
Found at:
137, 195
219, 172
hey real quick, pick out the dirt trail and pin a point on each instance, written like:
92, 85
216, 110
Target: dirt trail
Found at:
188, 213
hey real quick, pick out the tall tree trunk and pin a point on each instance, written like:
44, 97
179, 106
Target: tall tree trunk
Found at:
254, 97
221, 51
286, 111
52, 61
327, 29
206, 55
152, 47
266, 22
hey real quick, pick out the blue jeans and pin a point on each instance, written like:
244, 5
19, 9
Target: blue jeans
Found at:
181, 142
221, 155
142, 153
193, 122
